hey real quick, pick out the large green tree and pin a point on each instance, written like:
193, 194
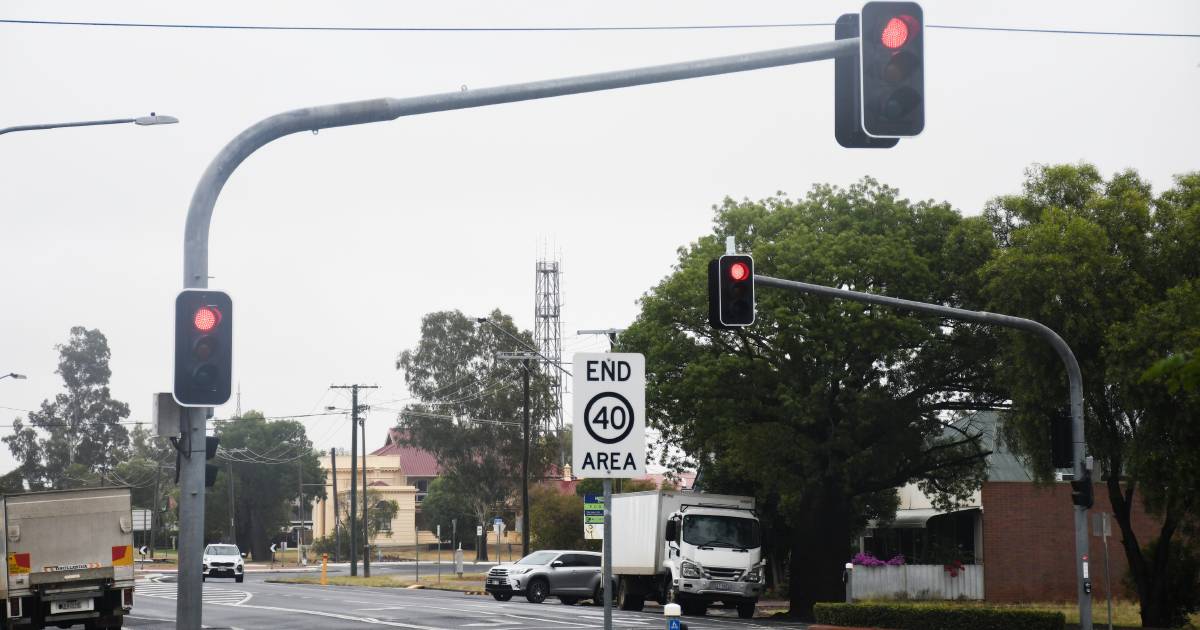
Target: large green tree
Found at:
1114, 270
77, 438
468, 408
270, 460
824, 407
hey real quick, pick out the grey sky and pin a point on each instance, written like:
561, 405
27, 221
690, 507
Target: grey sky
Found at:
333, 246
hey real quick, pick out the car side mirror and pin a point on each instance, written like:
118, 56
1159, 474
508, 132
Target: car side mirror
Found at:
556, 564
672, 531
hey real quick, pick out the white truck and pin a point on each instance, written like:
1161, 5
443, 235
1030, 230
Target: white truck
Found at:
70, 558
690, 548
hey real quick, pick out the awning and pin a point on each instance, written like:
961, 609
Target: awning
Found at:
916, 518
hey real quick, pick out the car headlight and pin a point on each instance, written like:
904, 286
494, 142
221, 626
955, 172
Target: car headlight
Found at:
205, 566
690, 570
519, 570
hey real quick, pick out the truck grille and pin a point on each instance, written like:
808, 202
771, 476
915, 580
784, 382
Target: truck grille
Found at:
717, 573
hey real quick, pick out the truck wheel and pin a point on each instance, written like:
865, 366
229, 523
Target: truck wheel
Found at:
537, 591
627, 600
745, 610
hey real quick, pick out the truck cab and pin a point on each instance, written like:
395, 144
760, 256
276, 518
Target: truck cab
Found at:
714, 554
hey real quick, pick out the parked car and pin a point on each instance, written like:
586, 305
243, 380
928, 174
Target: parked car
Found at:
568, 575
223, 561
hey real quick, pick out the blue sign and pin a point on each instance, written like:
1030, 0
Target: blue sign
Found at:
498, 521
674, 624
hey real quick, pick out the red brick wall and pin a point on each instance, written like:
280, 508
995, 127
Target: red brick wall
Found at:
1029, 542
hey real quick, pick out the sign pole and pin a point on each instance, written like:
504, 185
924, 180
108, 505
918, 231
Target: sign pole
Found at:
606, 575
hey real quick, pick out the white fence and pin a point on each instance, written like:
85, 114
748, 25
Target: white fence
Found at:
917, 581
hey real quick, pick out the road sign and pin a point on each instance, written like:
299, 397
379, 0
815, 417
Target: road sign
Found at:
273, 547
141, 520
479, 530
593, 532
610, 404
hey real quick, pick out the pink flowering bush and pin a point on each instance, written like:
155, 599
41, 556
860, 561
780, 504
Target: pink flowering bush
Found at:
866, 559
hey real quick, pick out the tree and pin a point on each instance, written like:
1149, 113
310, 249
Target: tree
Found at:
84, 437
269, 460
382, 512
469, 408
556, 520
1112, 268
824, 407
445, 506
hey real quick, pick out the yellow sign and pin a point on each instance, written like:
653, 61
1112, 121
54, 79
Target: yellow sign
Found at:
18, 563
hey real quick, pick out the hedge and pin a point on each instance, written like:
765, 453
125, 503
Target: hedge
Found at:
905, 616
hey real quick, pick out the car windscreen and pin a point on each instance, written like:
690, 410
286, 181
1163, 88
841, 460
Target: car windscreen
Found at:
705, 530
538, 557
221, 550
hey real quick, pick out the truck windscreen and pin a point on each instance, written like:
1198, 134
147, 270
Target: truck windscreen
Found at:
705, 530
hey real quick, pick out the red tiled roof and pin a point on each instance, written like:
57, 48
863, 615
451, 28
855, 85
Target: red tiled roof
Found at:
414, 462
377, 483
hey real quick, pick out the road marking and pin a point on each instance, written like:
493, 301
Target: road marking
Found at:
167, 590
321, 613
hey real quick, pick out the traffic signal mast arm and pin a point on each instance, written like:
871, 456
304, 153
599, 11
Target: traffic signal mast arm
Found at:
995, 319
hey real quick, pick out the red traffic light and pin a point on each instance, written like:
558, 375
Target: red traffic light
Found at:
739, 271
206, 318
895, 33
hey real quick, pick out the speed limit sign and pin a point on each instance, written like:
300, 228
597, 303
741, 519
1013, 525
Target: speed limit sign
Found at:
609, 439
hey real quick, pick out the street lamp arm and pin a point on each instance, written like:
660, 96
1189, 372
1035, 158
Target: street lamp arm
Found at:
85, 123
195, 256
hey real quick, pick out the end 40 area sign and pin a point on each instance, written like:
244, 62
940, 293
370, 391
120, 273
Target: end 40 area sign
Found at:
609, 437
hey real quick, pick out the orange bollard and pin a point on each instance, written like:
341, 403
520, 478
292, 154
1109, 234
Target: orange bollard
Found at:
324, 568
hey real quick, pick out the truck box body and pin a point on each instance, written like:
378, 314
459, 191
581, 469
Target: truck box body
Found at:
69, 555
635, 515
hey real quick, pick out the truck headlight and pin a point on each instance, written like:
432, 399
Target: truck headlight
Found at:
690, 570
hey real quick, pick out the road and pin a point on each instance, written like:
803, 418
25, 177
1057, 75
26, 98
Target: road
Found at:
256, 603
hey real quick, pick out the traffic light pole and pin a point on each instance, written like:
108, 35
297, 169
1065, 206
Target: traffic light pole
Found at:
204, 198
188, 608
1074, 378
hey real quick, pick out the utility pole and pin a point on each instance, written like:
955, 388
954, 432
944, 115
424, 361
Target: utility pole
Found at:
232, 528
154, 518
337, 524
299, 510
366, 526
525, 358
353, 470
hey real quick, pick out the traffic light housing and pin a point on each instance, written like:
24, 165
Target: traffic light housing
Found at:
1081, 491
731, 291
847, 94
203, 348
892, 68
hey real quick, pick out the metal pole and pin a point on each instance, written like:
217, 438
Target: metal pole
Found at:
606, 573
337, 524
354, 480
299, 510
154, 518
366, 523
188, 606
1107, 572
1074, 377
204, 198
417, 550
525, 470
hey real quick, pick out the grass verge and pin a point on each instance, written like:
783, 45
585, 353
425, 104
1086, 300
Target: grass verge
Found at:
389, 581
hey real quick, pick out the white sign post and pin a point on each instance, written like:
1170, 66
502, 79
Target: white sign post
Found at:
609, 436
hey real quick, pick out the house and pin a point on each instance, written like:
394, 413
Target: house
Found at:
1014, 538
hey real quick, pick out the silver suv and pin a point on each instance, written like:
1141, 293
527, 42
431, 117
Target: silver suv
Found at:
568, 575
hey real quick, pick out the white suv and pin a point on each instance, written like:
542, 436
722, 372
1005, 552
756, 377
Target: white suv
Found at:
223, 561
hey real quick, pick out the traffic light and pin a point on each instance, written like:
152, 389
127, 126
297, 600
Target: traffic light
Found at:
1081, 491
731, 291
892, 60
203, 348
847, 95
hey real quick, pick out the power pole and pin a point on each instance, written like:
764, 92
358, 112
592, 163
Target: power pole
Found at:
154, 508
337, 523
525, 358
366, 527
353, 469
299, 510
232, 528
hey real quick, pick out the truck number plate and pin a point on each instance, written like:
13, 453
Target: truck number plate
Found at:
70, 605
721, 586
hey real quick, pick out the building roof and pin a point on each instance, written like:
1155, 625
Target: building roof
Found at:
377, 483
414, 462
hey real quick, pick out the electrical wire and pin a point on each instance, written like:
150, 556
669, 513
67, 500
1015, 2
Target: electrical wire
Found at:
566, 29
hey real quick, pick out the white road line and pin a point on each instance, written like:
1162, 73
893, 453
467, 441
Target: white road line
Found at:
321, 613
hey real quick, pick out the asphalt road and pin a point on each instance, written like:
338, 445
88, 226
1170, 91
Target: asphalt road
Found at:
258, 604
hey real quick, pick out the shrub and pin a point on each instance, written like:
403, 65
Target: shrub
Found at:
937, 617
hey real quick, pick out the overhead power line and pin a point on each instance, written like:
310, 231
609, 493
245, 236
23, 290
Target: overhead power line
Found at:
562, 29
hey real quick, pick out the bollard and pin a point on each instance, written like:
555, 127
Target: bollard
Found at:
458, 560
672, 612
848, 578
324, 568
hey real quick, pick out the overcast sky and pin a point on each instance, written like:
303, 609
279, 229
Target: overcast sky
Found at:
334, 245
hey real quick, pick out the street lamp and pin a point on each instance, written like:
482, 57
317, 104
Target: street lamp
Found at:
143, 121
14, 375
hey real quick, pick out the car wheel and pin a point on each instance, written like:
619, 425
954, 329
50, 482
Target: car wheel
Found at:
537, 591
568, 601
745, 610
502, 597
238, 579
